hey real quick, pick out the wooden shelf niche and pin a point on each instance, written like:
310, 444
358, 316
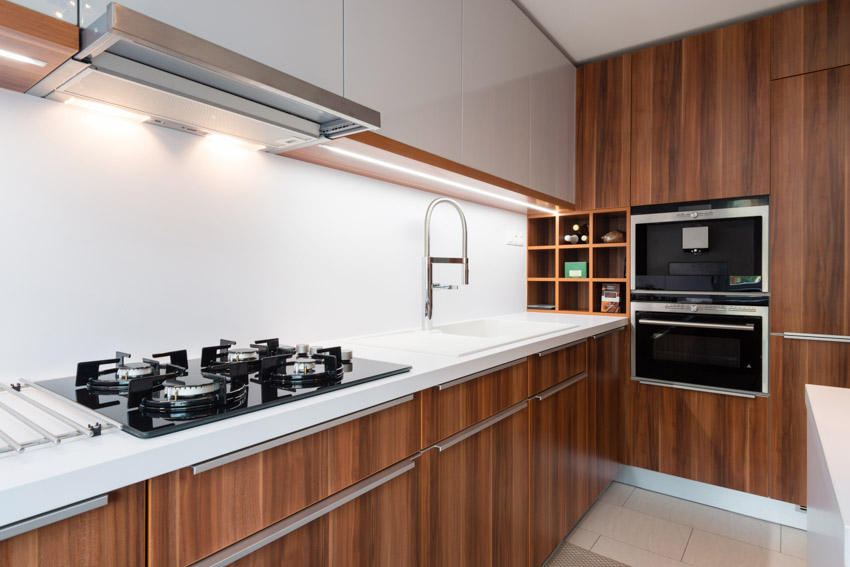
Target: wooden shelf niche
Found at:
548, 283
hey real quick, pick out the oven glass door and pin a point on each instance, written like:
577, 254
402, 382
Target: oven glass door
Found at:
717, 351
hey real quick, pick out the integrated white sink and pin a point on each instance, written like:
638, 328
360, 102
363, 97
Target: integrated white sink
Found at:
460, 339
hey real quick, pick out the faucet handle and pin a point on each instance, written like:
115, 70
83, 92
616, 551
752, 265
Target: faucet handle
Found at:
438, 286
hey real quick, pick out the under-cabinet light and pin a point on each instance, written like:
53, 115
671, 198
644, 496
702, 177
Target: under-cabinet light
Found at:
22, 58
107, 109
436, 179
236, 142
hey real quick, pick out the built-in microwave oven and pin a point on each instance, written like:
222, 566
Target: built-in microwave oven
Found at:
715, 343
718, 246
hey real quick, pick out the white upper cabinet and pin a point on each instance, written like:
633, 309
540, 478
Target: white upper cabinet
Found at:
65, 10
553, 124
518, 99
299, 37
403, 58
497, 49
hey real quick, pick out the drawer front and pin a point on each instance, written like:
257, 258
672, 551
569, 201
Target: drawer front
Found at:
195, 515
554, 367
362, 447
454, 406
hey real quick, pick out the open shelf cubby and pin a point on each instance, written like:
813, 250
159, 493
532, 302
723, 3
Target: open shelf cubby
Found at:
541, 293
548, 283
541, 231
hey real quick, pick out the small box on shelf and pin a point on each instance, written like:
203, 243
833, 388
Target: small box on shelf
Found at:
575, 269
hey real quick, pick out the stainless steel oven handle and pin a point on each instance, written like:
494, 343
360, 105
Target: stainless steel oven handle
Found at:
722, 326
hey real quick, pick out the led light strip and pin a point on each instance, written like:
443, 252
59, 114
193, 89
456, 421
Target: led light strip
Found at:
436, 179
107, 109
22, 58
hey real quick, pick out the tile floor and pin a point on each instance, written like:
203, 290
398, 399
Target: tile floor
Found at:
647, 529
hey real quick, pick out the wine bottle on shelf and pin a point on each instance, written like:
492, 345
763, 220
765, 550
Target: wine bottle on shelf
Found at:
572, 239
581, 231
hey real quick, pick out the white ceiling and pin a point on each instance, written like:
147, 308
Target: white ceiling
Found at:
588, 30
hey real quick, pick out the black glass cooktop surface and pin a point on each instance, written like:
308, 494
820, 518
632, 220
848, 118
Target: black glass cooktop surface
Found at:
162, 412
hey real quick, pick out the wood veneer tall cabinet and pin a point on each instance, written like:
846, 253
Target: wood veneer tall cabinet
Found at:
700, 113
810, 38
810, 204
603, 131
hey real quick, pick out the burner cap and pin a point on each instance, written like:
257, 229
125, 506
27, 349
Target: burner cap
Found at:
132, 370
243, 354
302, 349
177, 389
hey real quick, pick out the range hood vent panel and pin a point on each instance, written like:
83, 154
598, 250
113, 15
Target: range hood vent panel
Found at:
261, 103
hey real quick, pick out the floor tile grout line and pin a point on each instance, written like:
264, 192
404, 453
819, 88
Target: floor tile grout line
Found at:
639, 546
684, 551
707, 530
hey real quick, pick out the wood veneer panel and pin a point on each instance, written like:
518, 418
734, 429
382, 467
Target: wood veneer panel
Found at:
700, 111
475, 499
550, 369
602, 133
111, 535
379, 529
810, 38
793, 364
810, 204
446, 412
367, 445
36, 35
548, 483
711, 438
578, 452
608, 366
192, 516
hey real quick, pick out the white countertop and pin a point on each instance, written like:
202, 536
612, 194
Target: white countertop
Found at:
829, 410
43, 479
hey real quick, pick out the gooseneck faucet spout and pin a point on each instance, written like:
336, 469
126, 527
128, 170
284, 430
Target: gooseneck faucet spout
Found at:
429, 262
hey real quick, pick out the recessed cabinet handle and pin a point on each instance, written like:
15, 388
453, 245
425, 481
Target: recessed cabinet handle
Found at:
470, 431
289, 438
562, 386
562, 347
288, 525
611, 332
24, 526
459, 381
815, 337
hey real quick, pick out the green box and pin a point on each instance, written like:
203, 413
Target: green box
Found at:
575, 269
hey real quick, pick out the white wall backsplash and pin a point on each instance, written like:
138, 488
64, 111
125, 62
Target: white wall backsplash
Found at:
118, 235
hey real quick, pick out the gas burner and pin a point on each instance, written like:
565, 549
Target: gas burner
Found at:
132, 370
243, 354
306, 367
175, 389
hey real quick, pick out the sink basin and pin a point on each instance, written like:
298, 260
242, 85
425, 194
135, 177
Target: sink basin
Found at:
460, 339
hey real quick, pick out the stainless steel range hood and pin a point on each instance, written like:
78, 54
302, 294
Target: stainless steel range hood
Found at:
139, 64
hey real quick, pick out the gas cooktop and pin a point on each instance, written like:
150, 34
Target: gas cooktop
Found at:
168, 392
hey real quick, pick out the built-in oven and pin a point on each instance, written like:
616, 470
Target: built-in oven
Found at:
709, 342
718, 246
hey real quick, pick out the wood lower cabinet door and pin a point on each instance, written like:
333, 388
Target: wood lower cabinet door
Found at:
560, 464
195, 515
608, 365
378, 528
111, 535
700, 116
475, 496
456, 405
707, 437
603, 118
553, 367
810, 204
810, 38
793, 364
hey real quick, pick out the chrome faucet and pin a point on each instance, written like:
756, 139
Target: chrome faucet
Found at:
428, 267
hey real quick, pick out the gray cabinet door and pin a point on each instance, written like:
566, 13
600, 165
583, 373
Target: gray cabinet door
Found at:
65, 10
553, 124
297, 37
403, 58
